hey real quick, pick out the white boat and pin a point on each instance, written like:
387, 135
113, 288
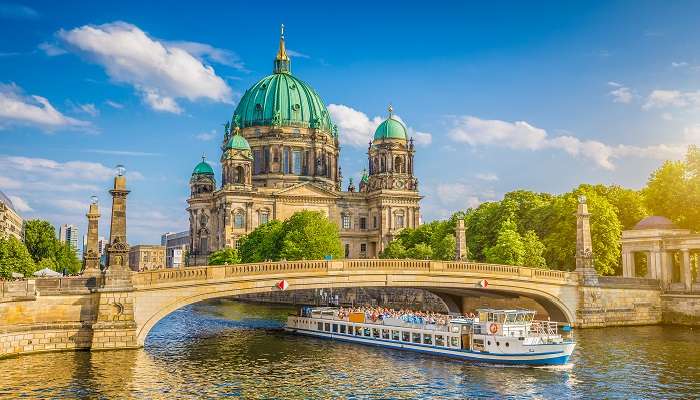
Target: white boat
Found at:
492, 336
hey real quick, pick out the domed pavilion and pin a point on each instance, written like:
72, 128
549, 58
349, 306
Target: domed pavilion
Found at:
280, 154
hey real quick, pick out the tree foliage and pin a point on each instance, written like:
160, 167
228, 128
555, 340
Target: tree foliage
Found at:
434, 240
305, 235
224, 256
14, 257
40, 239
65, 258
508, 248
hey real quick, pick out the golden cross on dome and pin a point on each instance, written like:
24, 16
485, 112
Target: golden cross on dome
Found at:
391, 110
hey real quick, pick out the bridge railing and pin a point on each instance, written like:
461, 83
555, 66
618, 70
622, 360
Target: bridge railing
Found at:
148, 278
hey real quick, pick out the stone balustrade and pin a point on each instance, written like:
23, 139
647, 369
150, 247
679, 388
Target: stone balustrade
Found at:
194, 274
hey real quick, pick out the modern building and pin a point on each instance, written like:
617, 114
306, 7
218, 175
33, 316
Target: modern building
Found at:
69, 234
10, 221
176, 248
145, 257
101, 243
280, 155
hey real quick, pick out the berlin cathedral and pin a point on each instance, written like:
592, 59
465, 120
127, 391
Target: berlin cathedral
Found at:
279, 155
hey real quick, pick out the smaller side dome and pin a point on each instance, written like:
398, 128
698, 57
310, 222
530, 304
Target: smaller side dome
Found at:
238, 142
391, 128
655, 222
203, 168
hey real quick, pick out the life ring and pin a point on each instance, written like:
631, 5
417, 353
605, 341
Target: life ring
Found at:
493, 329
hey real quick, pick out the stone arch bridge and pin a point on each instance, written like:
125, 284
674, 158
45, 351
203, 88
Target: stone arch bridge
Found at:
99, 312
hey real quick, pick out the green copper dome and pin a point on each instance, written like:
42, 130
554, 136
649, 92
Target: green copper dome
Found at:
391, 128
281, 99
238, 142
203, 168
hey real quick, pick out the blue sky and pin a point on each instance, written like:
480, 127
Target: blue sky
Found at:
500, 97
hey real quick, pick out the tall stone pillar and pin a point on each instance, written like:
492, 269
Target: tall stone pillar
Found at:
91, 266
461, 253
584, 245
651, 265
686, 275
628, 267
117, 271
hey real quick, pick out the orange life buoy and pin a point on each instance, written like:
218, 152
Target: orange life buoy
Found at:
493, 328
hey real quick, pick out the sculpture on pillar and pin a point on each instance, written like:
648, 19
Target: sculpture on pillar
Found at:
117, 272
461, 252
584, 244
91, 262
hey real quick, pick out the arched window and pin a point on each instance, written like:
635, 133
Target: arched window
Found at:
240, 174
238, 220
398, 164
383, 164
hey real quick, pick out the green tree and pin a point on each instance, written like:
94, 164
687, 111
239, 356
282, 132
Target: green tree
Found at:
310, 235
224, 256
395, 250
444, 247
47, 263
421, 251
40, 239
262, 244
509, 248
534, 250
65, 258
14, 257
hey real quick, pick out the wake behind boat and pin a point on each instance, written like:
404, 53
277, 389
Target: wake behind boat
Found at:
493, 336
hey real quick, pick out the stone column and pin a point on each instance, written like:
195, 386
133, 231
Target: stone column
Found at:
92, 252
628, 268
461, 252
686, 275
584, 245
117, 271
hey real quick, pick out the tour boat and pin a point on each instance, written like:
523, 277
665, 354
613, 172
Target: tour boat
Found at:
491, 336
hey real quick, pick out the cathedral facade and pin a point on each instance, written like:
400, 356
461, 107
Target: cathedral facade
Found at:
279, 155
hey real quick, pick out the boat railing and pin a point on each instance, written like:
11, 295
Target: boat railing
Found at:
395, 322
543, 328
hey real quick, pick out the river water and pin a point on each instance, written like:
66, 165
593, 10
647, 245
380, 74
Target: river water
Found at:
229, 349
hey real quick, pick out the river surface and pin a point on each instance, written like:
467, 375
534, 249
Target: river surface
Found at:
229, 349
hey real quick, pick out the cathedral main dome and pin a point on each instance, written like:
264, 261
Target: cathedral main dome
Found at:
281, 99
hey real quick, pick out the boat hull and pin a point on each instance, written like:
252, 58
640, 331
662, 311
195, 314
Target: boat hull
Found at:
555, 354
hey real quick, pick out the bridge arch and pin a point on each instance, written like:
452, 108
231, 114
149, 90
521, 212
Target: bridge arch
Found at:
160, 293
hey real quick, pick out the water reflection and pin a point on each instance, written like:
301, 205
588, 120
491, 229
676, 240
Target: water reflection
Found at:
226, 348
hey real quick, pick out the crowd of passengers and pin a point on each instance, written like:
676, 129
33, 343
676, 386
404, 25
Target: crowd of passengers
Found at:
375, 314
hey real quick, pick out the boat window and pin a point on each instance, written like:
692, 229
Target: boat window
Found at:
416, 337
320, 326
455, 329
335, 328
366, 332
405, 336
358, 331
395, 335
501, 318
328, 327
427, 338
439, 340
385, 334
342, 328
488, 343
507, 344
375, 333
454, 341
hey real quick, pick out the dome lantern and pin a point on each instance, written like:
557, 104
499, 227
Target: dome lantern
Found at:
203, 168
391, 128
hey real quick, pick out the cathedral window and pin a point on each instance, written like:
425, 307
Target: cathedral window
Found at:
347, 250
363, 247
240, 174
346, 221
382, 167
285, 161
264, 217
374, 222
296, 162
398, 164
363, 223
399, 221
238, 222
258, 161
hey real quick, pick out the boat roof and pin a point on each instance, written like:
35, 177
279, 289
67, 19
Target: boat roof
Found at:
512, 310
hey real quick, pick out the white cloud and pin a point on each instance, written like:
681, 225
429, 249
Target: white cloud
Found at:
679, 64
293, 53
88, 109
160, 71
114, 104
356, 129
671, 98
206, 136
17, 108
206, 52
620, 93
520, 135
122, 153
51, 49
691, 134
489, 177
71, 205
20, 204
